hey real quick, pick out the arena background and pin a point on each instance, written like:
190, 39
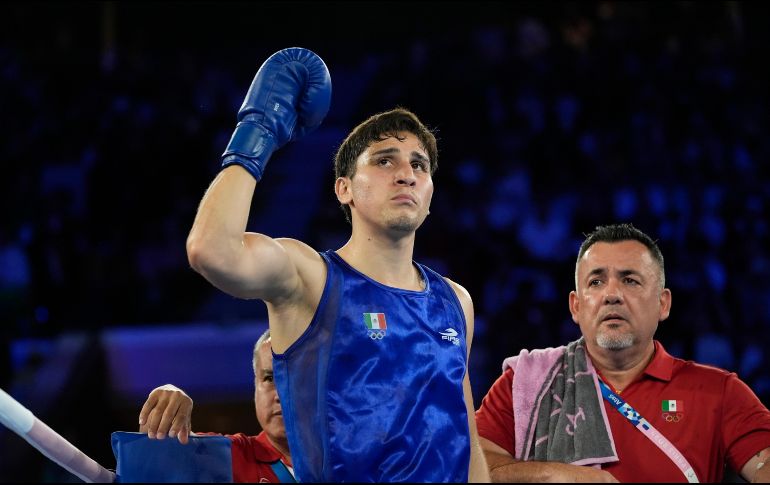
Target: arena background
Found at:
552, 118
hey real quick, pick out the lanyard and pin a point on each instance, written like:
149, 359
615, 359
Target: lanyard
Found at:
649, 431
283, 474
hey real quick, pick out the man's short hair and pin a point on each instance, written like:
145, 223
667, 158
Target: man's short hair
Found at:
377, 128
622, 232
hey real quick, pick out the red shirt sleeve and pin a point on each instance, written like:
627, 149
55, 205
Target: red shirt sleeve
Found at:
251, 458
745, 423
494, 418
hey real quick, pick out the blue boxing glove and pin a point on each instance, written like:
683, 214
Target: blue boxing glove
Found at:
288, 98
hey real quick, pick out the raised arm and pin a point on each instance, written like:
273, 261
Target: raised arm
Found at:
289, 97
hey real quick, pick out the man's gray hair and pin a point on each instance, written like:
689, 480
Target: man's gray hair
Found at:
255, 357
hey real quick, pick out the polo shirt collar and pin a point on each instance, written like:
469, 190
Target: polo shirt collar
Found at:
661, 366
267, 452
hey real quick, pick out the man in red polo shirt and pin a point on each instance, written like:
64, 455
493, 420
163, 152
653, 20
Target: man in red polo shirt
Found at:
666, 419
264, 458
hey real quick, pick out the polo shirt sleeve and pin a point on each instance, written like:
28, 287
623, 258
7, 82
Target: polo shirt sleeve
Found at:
494, 419
745, 423
251, 460
241, 451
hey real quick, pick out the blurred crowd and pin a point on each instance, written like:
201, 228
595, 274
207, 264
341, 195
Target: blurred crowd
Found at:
551, 119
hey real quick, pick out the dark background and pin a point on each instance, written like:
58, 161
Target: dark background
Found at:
552, 118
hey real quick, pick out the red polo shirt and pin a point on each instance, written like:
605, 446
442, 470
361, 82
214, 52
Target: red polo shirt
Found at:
720, 421
252, 456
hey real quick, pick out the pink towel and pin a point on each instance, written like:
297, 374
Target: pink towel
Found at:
558, 407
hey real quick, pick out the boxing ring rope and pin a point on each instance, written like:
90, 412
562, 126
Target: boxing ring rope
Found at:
21, 421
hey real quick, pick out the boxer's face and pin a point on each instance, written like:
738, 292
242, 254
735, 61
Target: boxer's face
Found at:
392, 185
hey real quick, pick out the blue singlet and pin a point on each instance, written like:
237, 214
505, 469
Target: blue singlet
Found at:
373, 390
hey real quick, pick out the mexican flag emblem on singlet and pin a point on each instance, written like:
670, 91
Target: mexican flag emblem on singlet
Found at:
375, 321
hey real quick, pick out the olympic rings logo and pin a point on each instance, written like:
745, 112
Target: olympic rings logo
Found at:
376, 335
673, 417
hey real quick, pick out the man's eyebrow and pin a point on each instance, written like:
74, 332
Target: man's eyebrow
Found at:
624, 272
390, 151
627, 272
419, 156
597, 271
386, 151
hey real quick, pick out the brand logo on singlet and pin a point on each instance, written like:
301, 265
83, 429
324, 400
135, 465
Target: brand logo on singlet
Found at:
376, 324
450, 334
673, 410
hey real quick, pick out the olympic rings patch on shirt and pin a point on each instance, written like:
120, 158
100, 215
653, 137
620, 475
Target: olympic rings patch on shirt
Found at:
673, 417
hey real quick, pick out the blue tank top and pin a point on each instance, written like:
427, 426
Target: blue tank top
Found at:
373, 389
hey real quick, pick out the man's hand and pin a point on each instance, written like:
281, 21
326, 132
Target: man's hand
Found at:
167, 411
